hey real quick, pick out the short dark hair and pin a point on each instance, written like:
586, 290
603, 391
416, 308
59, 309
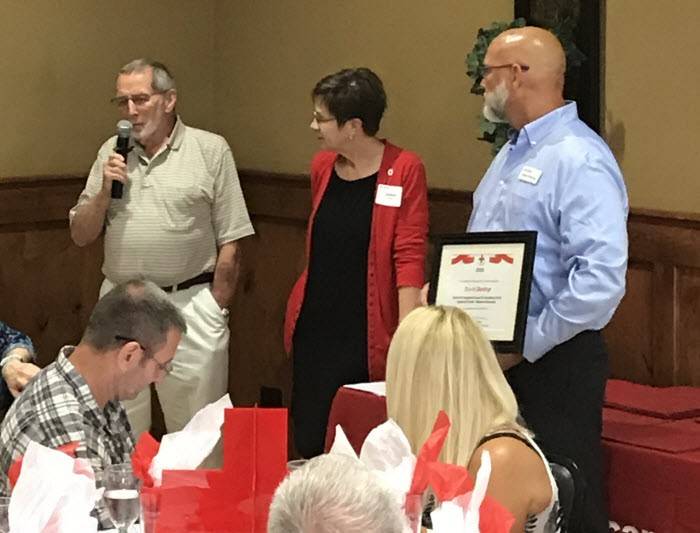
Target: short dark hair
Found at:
138, 310
353, 93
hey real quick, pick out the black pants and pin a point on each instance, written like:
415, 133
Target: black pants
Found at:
561, 399
321, 367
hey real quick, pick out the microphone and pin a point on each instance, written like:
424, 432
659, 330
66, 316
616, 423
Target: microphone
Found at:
122, 148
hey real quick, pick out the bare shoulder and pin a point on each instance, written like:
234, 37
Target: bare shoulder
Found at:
507, 453
518, 473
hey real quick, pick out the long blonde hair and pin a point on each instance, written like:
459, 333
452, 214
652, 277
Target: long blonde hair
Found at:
440, 359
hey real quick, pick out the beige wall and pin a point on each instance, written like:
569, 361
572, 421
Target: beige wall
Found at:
274, 51
245, 69
57, 67
651, 96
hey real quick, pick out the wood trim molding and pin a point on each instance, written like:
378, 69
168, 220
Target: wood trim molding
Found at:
27, 194
38, 199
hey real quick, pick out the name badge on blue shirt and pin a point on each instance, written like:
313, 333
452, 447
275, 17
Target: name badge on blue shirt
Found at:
530, 174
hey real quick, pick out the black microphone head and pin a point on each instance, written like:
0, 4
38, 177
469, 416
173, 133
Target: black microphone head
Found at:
124, 129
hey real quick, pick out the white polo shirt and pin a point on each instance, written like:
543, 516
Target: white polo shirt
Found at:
177, 208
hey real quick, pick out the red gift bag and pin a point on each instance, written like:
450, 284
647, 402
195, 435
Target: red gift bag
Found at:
234, 499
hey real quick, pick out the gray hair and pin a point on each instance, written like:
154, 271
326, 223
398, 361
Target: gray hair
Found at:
162, 79
334, 494
138, 310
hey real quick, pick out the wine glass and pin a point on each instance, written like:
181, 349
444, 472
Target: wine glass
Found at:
296, 464
121, 495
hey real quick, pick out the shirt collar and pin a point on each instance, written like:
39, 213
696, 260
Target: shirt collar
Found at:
538, 129
176, 136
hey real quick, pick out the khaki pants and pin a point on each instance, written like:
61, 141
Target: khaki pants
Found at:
200, 366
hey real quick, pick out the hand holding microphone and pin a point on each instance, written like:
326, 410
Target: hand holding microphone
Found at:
115, 168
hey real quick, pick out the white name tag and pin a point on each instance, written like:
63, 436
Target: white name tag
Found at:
530, 175
389, 195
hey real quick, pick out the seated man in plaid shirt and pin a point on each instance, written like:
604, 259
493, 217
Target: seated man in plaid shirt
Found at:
129, 343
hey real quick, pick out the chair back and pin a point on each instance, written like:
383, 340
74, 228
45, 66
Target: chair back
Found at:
570, 484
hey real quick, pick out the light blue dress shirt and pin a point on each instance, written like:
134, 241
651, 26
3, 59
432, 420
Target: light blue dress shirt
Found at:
574, 196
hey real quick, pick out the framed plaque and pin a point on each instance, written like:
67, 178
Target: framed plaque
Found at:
488, 275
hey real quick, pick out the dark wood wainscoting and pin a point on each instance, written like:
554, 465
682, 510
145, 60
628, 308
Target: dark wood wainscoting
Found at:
48, 285
654, 337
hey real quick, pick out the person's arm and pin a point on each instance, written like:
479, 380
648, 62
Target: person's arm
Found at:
16, 356
593, 229
87, 218
518, 481
410, 243
14, 343
509, 360
231, 222
17, 374
409, 299
226, 274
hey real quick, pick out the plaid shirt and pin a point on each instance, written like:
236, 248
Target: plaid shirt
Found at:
58, 407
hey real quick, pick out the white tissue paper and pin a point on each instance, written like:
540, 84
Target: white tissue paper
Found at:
387, 453
341, 444
186, 449
55, 493
461, 515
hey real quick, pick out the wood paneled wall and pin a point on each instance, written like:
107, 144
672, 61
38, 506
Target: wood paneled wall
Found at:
48, 285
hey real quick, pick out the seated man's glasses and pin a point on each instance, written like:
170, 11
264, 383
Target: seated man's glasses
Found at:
165, 367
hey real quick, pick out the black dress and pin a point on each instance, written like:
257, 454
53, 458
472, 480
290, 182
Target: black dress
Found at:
330, 338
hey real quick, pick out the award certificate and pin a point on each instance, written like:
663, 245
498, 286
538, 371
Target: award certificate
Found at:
488, 275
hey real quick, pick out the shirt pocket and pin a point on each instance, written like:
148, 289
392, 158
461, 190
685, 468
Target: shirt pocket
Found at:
523, 206
180, 207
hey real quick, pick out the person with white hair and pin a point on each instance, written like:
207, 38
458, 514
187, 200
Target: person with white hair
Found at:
334, 494
177, 224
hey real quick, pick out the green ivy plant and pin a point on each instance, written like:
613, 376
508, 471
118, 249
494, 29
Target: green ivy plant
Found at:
497, 133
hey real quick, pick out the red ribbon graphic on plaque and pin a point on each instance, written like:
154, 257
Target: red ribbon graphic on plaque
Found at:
500, 257
464, 258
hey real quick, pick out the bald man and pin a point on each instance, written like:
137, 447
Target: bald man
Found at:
556, 176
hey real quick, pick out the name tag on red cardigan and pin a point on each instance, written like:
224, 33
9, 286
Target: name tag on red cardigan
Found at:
389, 195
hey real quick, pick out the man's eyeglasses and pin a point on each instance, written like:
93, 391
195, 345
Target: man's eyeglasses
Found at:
486, 69
165, 367
139, 100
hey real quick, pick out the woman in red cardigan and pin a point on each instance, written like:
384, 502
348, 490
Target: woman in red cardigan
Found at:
366, 246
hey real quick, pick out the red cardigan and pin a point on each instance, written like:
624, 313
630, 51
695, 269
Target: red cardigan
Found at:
397, 248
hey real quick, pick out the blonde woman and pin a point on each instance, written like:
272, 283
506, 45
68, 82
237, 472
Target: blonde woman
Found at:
440, 359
